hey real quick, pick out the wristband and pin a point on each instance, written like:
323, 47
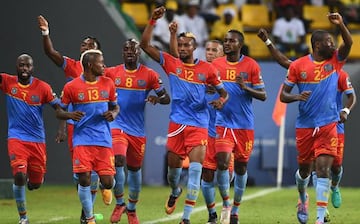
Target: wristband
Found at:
346, 110
268, 42
45, 32
152, 22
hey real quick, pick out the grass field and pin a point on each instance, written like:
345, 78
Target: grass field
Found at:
59, 204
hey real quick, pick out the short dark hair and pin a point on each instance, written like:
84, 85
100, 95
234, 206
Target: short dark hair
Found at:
317, 35
241, 37
95, 40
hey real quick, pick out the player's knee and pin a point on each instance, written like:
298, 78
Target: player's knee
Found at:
20, 178
222, 165
107, 184
120, 160
208, 175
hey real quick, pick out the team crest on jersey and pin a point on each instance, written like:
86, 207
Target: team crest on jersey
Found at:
117, 81
104, 94
35, 99
14, 90
141, 83
244, 75
303, 75
328, 67
81, 96
201, 77
178, 71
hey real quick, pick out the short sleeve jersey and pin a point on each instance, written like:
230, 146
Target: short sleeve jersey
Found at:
132, 87
24, 105
93, 99
238, 112
344, 86
188, 84
72, 68
321, 78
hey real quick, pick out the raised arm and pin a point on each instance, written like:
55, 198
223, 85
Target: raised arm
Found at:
152, 51
173, 26
54, 55
280, 58
345, 47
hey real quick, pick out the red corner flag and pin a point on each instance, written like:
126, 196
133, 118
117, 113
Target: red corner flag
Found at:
279, 109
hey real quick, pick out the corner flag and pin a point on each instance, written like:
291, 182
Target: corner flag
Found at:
279, 109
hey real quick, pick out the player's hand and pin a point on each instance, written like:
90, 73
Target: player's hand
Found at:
43, 23
343, 117
263, 34
173, 26
152, 99
158, 13
76, 115
303, 96
109, 116
239, 80
217, 104
335, 18
60, 136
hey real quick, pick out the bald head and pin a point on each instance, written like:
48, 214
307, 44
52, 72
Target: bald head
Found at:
24, 68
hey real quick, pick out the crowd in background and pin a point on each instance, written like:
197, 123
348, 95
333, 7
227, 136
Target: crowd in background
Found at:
210, 20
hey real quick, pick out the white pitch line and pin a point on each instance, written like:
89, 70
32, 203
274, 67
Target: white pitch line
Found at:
55, 219
203, 208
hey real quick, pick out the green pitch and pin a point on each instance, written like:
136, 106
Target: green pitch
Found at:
60, 204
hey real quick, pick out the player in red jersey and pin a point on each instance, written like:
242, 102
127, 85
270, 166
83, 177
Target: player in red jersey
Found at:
25, 97
72, 69
189, 118
316, 75
235, 122
344, 87
94, 99
133, 82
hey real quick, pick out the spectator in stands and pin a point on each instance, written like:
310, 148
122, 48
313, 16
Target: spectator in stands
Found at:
226, 23
194, 23
289, 34
208, 11
161, 30
280, 5
350, 10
